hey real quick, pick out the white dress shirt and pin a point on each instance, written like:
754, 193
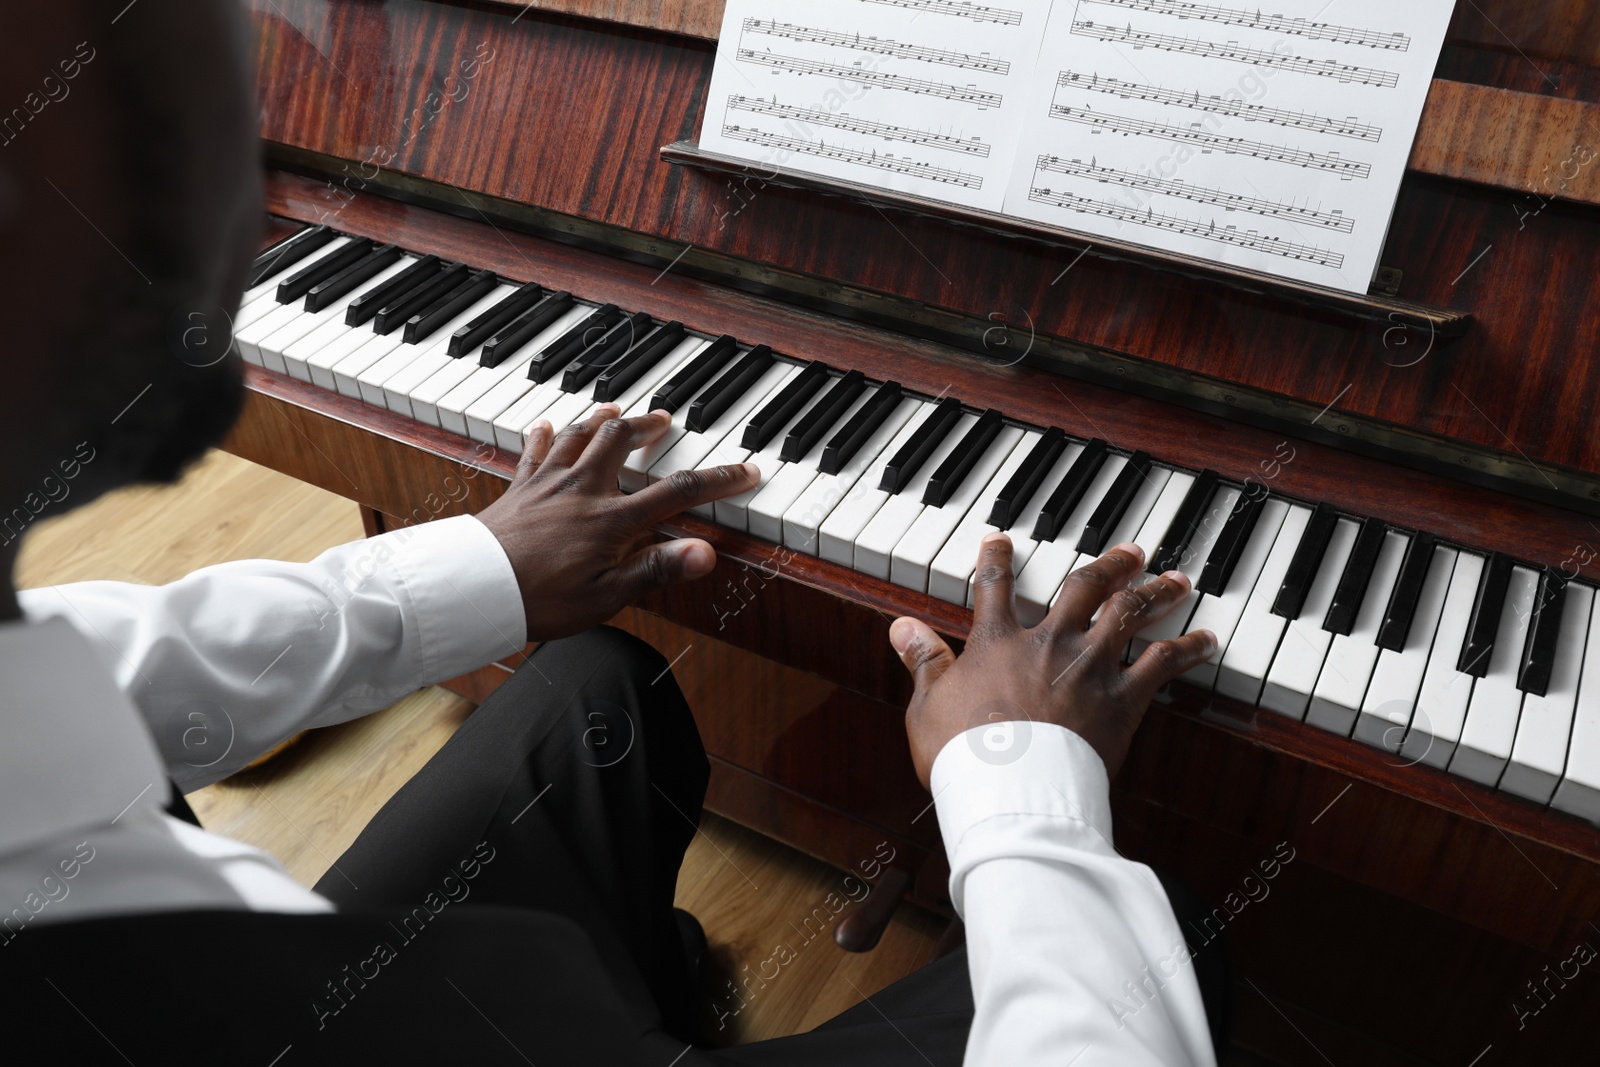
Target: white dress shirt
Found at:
109, 688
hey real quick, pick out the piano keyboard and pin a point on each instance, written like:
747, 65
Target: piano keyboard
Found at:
1481, 666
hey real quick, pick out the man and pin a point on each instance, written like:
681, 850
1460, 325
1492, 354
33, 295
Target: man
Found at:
512, 903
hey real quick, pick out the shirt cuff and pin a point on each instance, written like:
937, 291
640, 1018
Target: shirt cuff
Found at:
461, 593
1019, 768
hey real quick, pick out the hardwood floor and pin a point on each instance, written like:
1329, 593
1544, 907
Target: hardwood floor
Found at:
309, 802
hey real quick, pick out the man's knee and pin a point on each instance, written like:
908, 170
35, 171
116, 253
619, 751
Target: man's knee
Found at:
622, 656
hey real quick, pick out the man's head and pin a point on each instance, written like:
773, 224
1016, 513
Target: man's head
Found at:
130, 207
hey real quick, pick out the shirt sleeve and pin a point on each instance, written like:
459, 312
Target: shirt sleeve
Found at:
1075, 954
230, 660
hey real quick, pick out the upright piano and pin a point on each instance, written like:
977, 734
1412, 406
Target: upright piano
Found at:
484, 213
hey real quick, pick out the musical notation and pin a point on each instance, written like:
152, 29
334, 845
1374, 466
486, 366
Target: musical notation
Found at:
881, 161
881, 46
1298, 27
1323, 68
1237, 146
1200, 194
1209, 231
819, 117
959, 8
921, 86
1219, 105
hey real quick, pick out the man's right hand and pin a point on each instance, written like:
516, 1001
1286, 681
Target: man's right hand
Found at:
1064, 671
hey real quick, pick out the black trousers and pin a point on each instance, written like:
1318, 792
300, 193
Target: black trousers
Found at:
575, 789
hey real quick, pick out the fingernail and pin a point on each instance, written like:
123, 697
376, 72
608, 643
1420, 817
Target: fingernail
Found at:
1177, 576
540, 426
994, 538
751, 471
661, 411
1131, 549
901, 631
1210, 639
698, 559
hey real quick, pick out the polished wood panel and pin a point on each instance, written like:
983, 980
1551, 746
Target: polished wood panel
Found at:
1458, 245
1513, 140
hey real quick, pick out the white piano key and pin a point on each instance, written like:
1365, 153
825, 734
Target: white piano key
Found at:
734, 511
388, 383
914, 553
416, 388
1221, 614
1023, 546
347, 372
1298, 661
269, 286
260, 299
1039, 580
766, 509
955, 562
1352, 657
1491, 723
298, 340
1442, 704
1243, 664
480, 414
249, 337
838, 532
1579, 791
802, 523
1191, 563
875, 546
1539, 754
1397, 679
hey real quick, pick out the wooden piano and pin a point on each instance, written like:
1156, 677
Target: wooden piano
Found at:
1427, 915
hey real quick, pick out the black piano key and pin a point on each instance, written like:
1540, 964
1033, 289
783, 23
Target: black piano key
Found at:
682, 386
1025, 482
563, 349
521, 330
428, 321
368, 304
737, 380
325, 293
1066, 495
285, 254
766, 423
306, 278
395, 315
1306, 562
607, 351
644, 355
814, 424
1224, 557
1356, 579
1407, 591
915, 452
1185, 524
484, 326
1538, 652
949, 475
1485, 618
1108, 513
862, 425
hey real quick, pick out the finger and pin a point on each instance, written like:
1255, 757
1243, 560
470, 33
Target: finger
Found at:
994, 611
1165, 660
608, 449
663, 564
1132, 609
1088, 587
540, 436
683, 490
924, 652
570, 443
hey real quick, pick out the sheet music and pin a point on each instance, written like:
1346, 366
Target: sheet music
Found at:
919, 96
1271, 138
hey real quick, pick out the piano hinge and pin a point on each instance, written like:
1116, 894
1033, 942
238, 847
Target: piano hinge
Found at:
1387, 281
